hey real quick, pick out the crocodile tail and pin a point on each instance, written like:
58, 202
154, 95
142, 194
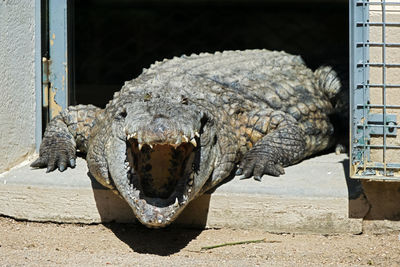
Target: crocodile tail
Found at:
328, 81
335, 87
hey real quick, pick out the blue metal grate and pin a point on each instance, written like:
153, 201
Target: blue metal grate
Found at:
374, 90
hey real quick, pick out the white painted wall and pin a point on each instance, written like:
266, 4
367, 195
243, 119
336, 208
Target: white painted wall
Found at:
17, 81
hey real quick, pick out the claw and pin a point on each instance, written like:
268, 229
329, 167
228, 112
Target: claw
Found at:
62, 167
39, 163
50, 168
72, 163
257, 178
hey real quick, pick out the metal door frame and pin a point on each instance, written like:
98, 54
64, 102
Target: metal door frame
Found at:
54, 53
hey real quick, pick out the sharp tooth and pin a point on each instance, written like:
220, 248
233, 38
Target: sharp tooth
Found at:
190, 182
185, 139
189, 190
185, 198
134, 135
193, 142
151, 146
197, 134
176, 202
140, 146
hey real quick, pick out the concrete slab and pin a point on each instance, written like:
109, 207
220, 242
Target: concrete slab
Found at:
312, 196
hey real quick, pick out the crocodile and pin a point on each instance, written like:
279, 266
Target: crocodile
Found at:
186, 124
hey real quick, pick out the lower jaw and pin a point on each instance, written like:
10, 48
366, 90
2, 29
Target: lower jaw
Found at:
153, 216
157, 212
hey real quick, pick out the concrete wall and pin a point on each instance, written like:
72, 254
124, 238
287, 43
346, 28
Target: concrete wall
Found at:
17, 81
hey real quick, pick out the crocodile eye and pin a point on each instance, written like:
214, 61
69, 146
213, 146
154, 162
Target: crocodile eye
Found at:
184, 100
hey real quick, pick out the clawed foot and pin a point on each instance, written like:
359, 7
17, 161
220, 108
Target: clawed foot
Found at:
257, 168
56, 152
340, 148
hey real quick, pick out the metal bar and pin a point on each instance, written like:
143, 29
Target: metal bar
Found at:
380, 126
380, 165
378, 3
365, 24
38, 73
396, 65
387, 85
365, 59
379, 146
384, 81
58, 34
353, 85
376, 106
378, 44
358, 11
378, 179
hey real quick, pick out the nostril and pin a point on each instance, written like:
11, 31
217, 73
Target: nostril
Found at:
123, 114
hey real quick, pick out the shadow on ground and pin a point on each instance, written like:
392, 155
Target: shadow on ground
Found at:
354, 186
372, 200
162, 242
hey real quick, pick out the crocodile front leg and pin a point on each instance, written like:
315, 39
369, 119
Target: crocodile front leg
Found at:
66, 133
280, 148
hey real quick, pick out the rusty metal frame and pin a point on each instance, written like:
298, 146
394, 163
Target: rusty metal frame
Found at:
38, 72
57, 56
365, 124
56, 94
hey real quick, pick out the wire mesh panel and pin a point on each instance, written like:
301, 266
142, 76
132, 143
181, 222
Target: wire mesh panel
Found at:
375, 89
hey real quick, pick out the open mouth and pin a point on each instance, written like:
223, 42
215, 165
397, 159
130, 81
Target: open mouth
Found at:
161, 177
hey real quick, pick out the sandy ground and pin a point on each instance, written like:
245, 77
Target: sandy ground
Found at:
49, 244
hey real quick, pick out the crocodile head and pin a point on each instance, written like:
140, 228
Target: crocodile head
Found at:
160, 156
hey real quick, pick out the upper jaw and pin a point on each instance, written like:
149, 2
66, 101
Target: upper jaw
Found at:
173, 139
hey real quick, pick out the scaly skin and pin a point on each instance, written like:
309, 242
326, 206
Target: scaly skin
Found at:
186, 124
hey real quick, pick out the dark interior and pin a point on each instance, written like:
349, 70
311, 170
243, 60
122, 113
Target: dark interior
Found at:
115, 40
